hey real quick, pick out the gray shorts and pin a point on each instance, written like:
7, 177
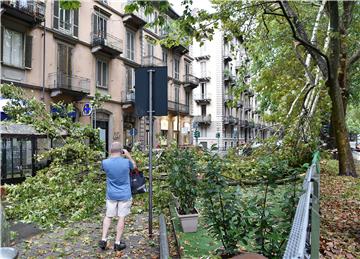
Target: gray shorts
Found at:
118, 208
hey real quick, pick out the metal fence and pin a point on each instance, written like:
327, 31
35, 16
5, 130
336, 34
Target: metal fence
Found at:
304, 239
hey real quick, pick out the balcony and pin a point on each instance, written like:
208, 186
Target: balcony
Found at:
228, 98
243, 123
247, 107
204, 77
249, 92
31, 12
228, 77
62, 85
176, 107
152, 61
204, 120
190, 81
258, 125
239, 104
227, 56
229, 120
251, 124
106, 43
180, 49
128, 97
134, 20
202, 99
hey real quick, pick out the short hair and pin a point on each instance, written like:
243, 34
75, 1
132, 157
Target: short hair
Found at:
115, 147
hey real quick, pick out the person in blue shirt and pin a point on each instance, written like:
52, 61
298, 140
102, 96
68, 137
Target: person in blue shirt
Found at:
118, 192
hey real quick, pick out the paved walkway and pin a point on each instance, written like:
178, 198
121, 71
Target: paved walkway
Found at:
79, 240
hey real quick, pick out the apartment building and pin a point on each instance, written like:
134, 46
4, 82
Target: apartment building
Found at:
222, 116
68, 55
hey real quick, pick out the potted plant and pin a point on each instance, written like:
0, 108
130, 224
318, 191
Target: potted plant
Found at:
183, 183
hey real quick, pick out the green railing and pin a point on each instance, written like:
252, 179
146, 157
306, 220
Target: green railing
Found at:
304, 239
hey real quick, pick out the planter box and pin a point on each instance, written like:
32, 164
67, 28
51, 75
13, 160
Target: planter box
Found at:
188, 222
176, 201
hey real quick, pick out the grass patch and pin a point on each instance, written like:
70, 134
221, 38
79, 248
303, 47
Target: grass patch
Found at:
195, 244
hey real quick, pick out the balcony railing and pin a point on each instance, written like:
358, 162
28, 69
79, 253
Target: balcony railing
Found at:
152, 61
107, 42
202, 98
127, 97
61, 81
35, 9
251, 124
228, 97
191, 81
203, 119
229, 119
178, 107
243, 123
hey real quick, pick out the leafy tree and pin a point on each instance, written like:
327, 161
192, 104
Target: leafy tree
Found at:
71, 187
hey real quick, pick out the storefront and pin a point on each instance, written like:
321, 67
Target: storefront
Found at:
19, 146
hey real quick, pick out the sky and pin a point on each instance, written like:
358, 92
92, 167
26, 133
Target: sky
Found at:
200, 4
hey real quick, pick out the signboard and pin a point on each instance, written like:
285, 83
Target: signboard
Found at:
197, 134
159, 91
87, 109
132, 132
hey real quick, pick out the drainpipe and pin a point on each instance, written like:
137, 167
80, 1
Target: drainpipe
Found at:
44, 47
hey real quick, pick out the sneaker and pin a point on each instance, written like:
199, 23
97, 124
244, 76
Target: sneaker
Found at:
119, 247
102, 244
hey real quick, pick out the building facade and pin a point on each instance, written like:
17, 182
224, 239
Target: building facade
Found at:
68, 55
223, 116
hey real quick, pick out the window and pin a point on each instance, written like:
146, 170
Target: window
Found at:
64, 59
102, 71
150, 49
203, 110
203, 89
130, 79
99, 25
203, 69
176, 68
176, 94
164, 56
13, 48
187, 68
203, 49
187, 98
130, 45
67, 21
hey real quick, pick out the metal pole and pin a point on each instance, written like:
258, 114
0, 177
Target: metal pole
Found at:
150, 150
43, 72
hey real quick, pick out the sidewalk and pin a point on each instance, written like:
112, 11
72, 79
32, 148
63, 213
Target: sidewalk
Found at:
80, 240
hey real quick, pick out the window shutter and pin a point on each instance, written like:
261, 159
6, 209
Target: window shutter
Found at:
28, 51
2, 43
69, 52
76, 23
94, 21
56, 15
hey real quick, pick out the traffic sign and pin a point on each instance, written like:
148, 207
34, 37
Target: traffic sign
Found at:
218, 135
87, 109
133, 132
197, 134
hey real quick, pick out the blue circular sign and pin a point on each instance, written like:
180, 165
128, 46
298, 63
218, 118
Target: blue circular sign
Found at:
87, 109
133, 132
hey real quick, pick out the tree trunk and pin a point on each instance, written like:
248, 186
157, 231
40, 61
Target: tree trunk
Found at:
346, 161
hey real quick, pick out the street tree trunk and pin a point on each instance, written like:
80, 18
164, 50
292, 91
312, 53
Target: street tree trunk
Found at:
346, 161
329, 68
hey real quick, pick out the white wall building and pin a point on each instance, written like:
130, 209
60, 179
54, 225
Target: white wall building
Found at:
216, 66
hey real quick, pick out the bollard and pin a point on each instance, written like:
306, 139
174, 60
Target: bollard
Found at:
164, 246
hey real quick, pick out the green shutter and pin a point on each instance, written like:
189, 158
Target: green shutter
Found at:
56, 15
76, 22
28, 51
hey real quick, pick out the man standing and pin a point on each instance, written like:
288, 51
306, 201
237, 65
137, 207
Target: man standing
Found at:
118, 192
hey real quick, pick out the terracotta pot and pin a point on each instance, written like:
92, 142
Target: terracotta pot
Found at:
188, 222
